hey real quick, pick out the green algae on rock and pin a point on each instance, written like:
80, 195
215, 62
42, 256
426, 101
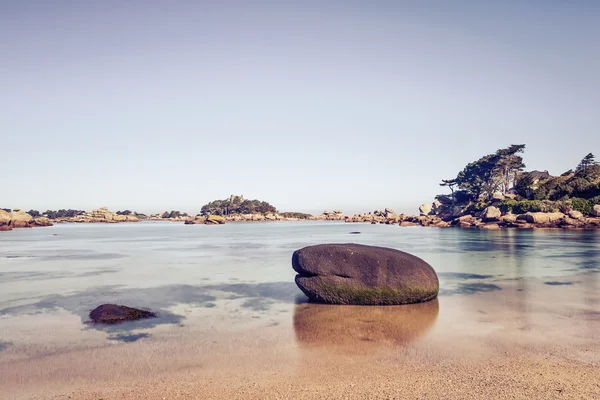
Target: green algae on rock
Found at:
363, 275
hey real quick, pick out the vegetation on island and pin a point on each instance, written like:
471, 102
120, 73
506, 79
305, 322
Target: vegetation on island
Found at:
502, 175
62, 213
297, 215
173, 214
237, 205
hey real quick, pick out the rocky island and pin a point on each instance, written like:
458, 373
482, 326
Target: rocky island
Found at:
495, 192
492, 192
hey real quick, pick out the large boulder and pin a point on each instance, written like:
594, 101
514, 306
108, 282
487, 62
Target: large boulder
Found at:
5, 228
41, 221
5, 217
214, 220
425, 209
596, 210
543, 218
491, 213
363, 275
114, 314
576, 214
16, 219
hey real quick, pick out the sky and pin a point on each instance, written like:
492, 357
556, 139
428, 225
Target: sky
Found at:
309, 105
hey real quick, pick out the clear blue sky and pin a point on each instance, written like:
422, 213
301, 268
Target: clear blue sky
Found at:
310, 105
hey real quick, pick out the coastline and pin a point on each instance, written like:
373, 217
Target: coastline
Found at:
507, 343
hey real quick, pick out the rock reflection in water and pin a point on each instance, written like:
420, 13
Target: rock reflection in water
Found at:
358, 328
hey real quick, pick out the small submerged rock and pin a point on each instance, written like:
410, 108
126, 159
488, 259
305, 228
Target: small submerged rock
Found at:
354, 233
363, 275
114, 314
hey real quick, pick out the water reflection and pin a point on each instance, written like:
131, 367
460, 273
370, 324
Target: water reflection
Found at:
351, 329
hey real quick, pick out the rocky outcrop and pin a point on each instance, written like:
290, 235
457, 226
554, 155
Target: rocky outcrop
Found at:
5, 218
425, 209
41, 221
576, 214
20, 219
115, 314
490, 218
100, 215
543, 218
330, 216
596, 210
363, 275
491, 213
206, 220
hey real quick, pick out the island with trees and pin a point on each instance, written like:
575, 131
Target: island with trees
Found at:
495, 191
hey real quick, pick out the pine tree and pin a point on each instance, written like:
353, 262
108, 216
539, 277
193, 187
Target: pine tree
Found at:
587, 161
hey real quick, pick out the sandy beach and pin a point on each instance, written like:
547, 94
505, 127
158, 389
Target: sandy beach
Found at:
529, 340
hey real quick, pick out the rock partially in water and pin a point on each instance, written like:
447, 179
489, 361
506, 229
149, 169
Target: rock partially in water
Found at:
363, 275
354, 233
114, 314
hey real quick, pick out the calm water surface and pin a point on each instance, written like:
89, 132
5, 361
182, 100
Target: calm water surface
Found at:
49, 274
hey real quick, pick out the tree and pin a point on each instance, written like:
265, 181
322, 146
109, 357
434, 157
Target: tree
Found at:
509, 165
492, 172
237, 205
523, 185
450, 184
477, 178
34, 213
586, 162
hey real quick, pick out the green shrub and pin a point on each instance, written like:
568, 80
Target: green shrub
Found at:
582, 205
507, 205
594, 200
477, 207
298, 215
525, 206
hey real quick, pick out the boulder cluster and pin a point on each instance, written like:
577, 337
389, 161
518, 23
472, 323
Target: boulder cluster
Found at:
205, 220
102, 215
335, 215
20, 219
218, 219
438, 214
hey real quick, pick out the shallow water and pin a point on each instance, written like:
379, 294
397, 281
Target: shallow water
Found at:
239, 276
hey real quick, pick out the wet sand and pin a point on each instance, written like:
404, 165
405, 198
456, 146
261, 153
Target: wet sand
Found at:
532, 339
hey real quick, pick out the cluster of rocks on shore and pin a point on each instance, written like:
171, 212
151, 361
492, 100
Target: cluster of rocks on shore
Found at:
442, 216
102, 215
20, 219
218, 219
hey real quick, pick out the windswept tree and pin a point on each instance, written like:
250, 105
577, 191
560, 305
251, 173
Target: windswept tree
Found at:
490, 173
477, 178
509, 165
587, 162
450, 184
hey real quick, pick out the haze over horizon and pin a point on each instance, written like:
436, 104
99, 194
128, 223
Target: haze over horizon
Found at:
350, 105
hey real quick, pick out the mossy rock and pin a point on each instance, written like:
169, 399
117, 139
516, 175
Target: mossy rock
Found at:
363, 275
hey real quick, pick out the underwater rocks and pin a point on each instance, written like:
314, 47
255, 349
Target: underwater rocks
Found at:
114, 314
